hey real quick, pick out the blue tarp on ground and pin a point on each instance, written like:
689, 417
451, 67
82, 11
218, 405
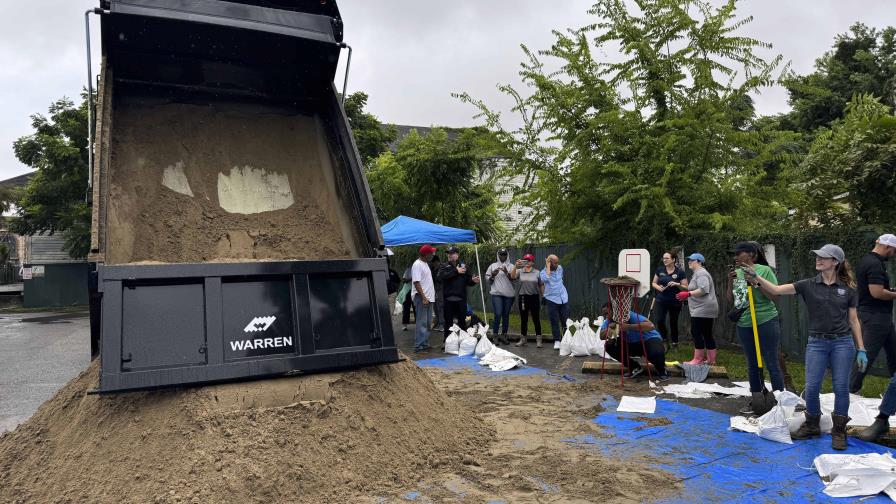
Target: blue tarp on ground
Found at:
713, 463
718, 465
410, 231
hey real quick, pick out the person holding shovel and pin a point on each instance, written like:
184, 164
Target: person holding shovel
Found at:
834, 336
751, 305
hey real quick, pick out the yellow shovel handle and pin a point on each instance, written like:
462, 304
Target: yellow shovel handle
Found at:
755, 329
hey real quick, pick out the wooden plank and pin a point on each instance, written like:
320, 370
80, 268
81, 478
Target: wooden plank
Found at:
611, 367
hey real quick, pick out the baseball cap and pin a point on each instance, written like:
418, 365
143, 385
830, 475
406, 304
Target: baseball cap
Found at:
453, 250
696, 256
427, 249
831, 251
503, 251
887, 239
529, 257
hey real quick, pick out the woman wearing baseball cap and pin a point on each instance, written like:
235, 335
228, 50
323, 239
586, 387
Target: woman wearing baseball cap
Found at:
834, 336
704, 308
531, 289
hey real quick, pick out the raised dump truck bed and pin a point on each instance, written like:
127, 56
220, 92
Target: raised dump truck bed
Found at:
233, 230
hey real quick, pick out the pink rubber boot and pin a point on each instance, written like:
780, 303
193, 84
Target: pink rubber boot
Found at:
699, 357
711, 357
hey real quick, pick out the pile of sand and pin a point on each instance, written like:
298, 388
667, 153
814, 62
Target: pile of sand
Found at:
321, 438
222, 182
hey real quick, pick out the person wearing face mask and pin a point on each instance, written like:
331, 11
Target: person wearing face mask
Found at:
500, 277
531, 290
666, 302
835, 336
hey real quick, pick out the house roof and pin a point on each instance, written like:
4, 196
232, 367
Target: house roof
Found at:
17, 181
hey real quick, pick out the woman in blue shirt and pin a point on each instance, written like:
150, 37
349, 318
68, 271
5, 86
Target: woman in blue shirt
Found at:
555, 297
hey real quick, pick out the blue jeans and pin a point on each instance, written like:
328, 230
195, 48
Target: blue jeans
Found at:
838, 354
557, 313
769, 338
424, 322
888, 404
501, 306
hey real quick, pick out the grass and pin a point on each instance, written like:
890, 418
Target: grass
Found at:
732, 358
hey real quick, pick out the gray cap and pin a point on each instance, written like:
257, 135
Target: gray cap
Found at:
831, 251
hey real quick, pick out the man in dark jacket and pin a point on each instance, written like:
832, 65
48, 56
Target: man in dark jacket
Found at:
455, 280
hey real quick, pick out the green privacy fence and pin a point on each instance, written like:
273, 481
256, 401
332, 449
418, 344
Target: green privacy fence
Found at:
583, 269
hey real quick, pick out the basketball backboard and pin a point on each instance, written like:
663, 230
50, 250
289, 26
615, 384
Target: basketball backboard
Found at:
636, 264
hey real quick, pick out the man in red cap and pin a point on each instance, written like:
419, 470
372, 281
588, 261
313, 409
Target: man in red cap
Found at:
423, 294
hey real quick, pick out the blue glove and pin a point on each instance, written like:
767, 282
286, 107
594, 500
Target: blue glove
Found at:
862, 360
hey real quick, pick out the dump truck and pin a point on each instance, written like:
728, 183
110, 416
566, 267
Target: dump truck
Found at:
233, 231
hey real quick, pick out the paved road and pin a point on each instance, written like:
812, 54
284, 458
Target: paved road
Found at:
39, 352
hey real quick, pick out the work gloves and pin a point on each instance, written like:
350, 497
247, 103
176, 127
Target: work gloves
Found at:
681, 296
862, 360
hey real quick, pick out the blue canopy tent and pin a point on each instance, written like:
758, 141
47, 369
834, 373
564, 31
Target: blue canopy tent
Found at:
404, 230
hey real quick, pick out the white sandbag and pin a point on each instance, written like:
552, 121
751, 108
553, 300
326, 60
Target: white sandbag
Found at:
567, 339
592, 342
789, 401
467, 346
857, 475
398, 308
773, 426
578, 347
825, 423
483, 347
452, 343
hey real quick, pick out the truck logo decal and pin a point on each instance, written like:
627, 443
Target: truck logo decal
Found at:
260, 324
258, 344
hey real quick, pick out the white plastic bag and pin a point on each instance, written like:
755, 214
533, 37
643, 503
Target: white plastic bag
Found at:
567, 339
398, 308
483, 347
452, 343
773, 426
579, 346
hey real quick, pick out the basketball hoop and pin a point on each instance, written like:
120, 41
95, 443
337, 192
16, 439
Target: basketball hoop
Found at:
621, 292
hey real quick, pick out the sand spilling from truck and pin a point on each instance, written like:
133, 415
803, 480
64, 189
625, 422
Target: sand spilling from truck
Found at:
320, 438
369, 435
223, 182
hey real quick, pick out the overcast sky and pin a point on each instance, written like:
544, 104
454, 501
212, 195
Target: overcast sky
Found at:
409, 55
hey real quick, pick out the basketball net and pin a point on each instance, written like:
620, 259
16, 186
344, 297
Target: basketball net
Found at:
621, 291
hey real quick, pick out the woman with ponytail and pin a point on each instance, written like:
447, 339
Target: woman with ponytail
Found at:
835, 336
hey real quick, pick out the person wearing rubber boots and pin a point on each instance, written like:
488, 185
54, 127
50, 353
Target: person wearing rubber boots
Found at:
835, 336
876, 307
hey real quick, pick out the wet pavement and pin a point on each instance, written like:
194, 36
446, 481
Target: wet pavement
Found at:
40, 353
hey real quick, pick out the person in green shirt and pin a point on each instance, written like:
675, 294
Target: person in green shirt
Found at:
749, 254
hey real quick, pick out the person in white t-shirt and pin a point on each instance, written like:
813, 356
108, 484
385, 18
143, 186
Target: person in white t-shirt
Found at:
423, 293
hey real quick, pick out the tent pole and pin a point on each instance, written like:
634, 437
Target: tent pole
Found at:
481, 289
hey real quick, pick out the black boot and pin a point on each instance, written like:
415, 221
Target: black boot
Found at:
504, 340
874, 431
809, 429
763, 402
838, 432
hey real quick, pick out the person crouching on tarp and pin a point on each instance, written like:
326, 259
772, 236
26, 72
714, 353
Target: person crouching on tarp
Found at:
633, 331
834, 336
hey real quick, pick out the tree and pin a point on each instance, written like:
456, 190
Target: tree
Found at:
371, 136
849, 176
438, 178
862, 61
655, 146
54, 199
